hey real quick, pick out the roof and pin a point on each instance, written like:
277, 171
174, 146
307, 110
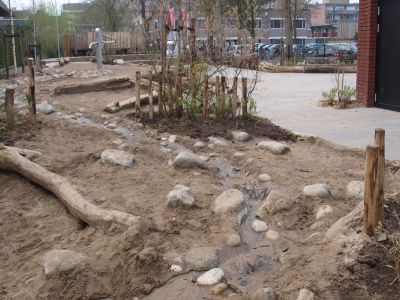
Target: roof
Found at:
4, 11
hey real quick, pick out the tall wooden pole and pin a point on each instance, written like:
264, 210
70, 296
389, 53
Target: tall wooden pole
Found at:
234, 98
151, 106
6, 50
31, 95
10, 108
192, 46
160, 93
371, 168
20, 52
221, 107
380, 178
137, 98
282, 51
244, 97
217, 87
179, 108
205, 96
171, 110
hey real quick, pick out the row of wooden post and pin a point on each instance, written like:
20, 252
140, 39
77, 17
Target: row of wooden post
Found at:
9, 105
20, 54
374, 183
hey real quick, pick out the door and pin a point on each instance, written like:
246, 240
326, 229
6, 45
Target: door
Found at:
388, 62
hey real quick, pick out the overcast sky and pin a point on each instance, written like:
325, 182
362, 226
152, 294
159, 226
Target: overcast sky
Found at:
27, 3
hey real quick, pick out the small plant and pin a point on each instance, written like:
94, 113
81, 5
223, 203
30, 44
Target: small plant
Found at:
394, 254
252, 110
329, 95
2, 128
237, 125
141, 115
18, 123
210, 125
183, 128
190, 104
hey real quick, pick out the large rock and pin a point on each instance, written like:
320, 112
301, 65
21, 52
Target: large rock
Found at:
202, 259
240, 136
172, 139
44, 108
317, 190
275, 202
306, 294
187, 160
180, 196
259, 226
264, 294
230, 200
355, 190
211, 277
117, 157
274, 147
217, 142
62, 262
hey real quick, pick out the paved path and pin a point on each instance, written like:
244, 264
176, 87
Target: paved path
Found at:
289, 99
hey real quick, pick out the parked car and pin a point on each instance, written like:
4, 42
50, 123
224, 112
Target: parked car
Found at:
300, 50
312, 48
343, 52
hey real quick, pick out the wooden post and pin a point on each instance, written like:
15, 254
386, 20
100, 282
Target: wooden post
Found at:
10, 108
234, 98
31, 95
380, 178
176, 91
137, 99
108, 220
179, 108
371, 168
193, 84
221, 107
160, 93
217, 88
75, 43
164, 48
244, 97
40, 50
6, 50
20, 52
192, 44
205, 96
282, 51
65, 42
151, 107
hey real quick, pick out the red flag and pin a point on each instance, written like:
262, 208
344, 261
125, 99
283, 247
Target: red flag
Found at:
184, 16
172, 16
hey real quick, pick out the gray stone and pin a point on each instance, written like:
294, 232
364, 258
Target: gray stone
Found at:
179, 151
165, 150
164, 143
203, 258
264, 294
204, 158
250, 160
180, 196
187, 160
199, 145
23, 113
214, 154
111, 126
62, 262
58, 114
118, 142
218, 142
323, 210
82, 110
45, 108
218, 289
230, 200
117, 157
355, 190
172, 139
264, 177
272, 235
275, 202
306, 294
90, 72
274, 147
120, 61
164, 138
79, 114
232, 239
317, 190
240, 136
211, 277
239, 154
259, 226
71, 117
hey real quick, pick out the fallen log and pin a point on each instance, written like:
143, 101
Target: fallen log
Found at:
309, 69
117, 106
11, 160
93, 86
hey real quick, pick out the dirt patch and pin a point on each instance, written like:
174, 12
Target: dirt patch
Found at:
337, 105
202, 129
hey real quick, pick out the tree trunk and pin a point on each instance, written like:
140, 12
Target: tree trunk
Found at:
92, 86
288, 28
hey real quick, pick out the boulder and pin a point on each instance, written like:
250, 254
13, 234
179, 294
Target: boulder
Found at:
273, 147
210, 277
172, 139
232, 239
241, 136
355, 190
217, 142
180, 196
275, 202
63, 262
323, 210
264, 177
218, 289
259, 226
306, 294
202, 259
317, 190
272, 235
264, 294
45, 108
117, 157
187, 160
199, 145
230, 200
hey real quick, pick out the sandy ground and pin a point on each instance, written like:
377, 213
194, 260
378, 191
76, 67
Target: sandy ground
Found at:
125, 264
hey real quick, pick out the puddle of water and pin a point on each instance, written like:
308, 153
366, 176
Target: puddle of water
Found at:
226, 168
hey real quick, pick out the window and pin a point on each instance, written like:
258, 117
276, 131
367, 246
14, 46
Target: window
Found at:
156, 25
201, 22
275, 23
301, 24
339, 8
351, 17
258, 23
351, 8
329, 7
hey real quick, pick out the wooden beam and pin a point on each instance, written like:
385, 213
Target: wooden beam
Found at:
205, 96
380, 178
137, 91
371, 168
10, 108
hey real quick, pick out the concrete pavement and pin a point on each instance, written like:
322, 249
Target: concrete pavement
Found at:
288, 100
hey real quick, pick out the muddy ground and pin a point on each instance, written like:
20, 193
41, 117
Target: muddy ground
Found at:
127, 263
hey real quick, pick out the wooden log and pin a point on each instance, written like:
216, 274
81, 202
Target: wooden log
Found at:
380, 177
151, 106
20, 52
11, 160
130, 103
31, 92
6, 53
222, 103
371, 168
234, 97
94, 86
205, 96
160, 94
137, 92
10, 108
244, 97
